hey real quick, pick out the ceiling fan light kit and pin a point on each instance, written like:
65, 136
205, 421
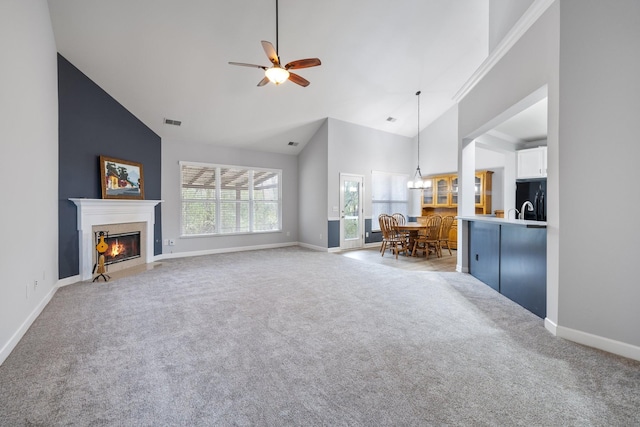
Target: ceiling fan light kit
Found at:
277, 74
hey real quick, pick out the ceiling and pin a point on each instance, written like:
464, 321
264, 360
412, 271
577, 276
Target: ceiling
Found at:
169, 59
526, 126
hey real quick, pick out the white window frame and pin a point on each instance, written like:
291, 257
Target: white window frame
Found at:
218, 199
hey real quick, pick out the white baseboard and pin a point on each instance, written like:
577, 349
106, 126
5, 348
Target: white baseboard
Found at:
69, 280
461, 269
224, 250
17, 336
312, 247
602, 343
551, 326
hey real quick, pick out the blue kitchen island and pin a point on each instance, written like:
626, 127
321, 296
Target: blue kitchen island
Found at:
511, 257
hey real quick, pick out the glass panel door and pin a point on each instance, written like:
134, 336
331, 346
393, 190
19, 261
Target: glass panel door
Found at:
351, 223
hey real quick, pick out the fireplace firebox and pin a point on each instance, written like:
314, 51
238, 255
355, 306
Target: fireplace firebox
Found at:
122, 247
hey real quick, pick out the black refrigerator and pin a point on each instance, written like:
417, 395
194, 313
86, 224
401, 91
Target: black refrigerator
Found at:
535, 191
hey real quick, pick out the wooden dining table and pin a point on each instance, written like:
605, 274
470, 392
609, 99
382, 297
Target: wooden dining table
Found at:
413, 228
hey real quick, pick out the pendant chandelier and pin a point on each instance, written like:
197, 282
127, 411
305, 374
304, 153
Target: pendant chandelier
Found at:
418, 182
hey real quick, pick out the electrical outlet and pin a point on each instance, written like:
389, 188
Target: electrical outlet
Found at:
35, 285
172, 242
366, 234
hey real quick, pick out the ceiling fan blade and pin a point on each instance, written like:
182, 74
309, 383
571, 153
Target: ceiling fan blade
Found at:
302, 63
298, 80
242, 64
263, 82
271, 52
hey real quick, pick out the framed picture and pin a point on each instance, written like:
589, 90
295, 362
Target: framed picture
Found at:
121, 179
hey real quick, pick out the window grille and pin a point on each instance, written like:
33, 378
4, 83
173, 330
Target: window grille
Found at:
219, 199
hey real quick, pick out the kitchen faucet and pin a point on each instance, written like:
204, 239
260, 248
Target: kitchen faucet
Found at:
515, 213
525, 204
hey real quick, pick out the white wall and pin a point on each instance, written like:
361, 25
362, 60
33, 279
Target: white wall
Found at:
530, 66
175, 151
312, 206
29, 148
360, 150
502, 15
439, 155
586, 53
439, 144
599, 174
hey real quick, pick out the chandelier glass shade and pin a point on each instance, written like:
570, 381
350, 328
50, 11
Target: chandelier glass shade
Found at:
418, 182
276, 75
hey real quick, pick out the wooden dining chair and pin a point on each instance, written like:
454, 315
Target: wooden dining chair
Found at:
445, 228
430, 238
400, 218
391, 239
401, 221
383, 231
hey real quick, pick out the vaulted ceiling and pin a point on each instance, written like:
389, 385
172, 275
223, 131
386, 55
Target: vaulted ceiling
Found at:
169, 59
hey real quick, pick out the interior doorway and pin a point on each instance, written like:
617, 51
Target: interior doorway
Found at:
351, 211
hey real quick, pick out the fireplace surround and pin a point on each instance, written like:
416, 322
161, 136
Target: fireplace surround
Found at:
102, 212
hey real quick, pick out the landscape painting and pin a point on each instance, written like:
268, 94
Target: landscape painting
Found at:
121, 179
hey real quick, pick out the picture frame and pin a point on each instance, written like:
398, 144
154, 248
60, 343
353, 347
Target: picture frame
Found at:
121, 179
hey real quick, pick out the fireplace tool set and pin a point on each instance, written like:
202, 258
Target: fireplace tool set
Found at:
100, 267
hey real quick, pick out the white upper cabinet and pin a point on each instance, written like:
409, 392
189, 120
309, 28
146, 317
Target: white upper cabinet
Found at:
532, 163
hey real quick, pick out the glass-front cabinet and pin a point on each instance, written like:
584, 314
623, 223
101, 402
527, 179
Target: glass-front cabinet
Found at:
443, 191
428, 194
440, 194
454, 190
483, 192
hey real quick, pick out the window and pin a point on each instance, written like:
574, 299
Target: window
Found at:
219, 199
388, 195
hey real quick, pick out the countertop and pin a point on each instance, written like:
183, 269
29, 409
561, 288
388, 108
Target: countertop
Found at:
493, 219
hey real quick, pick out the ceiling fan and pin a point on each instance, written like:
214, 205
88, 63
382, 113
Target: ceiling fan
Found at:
277, 74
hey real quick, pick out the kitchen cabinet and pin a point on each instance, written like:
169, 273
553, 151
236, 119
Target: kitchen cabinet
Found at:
523, 267
483, 192
510, 256
484, 253
531, 163
428, 193
440, 197
443, 190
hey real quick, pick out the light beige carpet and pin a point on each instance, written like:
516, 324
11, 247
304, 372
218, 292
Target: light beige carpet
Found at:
295, 337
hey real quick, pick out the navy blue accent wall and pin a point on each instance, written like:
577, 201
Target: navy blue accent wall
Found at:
92, 123
373, 236
333, 234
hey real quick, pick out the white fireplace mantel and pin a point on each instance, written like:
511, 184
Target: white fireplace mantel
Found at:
111, 211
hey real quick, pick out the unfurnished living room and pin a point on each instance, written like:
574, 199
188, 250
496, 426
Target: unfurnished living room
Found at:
194, 198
